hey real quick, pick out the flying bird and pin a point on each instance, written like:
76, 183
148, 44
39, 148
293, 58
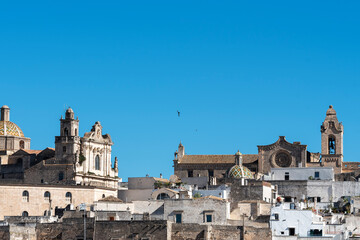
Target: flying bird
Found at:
178, 113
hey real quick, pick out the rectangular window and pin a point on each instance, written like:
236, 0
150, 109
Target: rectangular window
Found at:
211, 173
287, 176
318, 199
208, 218
317, 174
178, 218
276, 216
291, 231
190, 173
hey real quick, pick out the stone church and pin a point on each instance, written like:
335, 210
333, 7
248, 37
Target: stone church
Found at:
75, 160
280, 154
78, 170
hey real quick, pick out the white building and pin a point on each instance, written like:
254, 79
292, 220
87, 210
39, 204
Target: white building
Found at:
309, 173
289, 221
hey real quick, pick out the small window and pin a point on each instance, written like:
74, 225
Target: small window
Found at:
317, 174
97, 162
178, 218
64, 149
209, 218
190, 173
61, 176
276, 215
282, 233
163, 196
76, 133
68, 197
47, 196
291, 231
211, 173
22, 144
318, 199
287, 176
25, 214
42, 181
66, 132
103, 196
111, 218
25, 196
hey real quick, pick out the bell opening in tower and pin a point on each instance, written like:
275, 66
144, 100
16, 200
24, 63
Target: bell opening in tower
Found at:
332, 145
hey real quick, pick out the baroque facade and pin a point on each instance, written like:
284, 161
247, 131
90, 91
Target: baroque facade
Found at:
75, 160
78, 170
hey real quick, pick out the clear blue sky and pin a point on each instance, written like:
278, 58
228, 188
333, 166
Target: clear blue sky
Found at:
240, 73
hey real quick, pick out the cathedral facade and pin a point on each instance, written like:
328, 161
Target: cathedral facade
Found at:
280, 154
39, 182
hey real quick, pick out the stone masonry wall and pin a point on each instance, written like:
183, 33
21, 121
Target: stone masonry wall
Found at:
152, 230
49, 231
4, 233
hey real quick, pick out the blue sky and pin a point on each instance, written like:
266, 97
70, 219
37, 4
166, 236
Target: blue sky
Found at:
240, 72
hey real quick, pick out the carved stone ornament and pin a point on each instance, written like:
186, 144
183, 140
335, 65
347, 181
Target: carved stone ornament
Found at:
282, 159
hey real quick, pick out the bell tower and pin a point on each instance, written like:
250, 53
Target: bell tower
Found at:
67, 145
332, 141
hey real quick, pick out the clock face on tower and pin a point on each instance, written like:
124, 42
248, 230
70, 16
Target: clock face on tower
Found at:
282, 159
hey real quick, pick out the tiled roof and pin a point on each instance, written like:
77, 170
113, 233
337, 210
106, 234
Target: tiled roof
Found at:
110, 199
8, 128
208, 159
212, 197
240, 171
32, 151
161, 179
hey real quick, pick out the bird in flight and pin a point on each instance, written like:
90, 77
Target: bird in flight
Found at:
178, 113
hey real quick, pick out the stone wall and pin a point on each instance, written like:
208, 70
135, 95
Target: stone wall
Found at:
49, 231
252, 233
13, 203
152, 230
73, 228
49, 174
4, 233
194, 210
253, 191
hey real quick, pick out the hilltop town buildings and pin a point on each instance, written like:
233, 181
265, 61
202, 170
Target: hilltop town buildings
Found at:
282, 192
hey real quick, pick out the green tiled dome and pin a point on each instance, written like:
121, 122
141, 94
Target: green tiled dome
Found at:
10, 129
240, 172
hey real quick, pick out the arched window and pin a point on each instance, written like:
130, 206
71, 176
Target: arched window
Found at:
47, 196
163, 196
25, 214
61, 176
64, 149
76, 133
25, 196
68, 197
332, 145
97, 162
21, 144
103, 196
66, 132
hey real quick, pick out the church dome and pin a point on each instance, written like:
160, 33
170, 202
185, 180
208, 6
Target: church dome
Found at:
238, 171
331, 111
8, 128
